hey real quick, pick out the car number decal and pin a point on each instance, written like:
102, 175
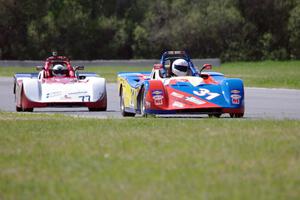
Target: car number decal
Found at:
205, 92
85, 98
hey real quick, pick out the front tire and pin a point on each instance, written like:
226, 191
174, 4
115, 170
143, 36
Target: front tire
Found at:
122, 107
19, 109
24, 102
214, 115
97, 109
142, 104
28, 109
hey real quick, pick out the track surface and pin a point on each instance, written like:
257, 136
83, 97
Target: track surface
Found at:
260, 103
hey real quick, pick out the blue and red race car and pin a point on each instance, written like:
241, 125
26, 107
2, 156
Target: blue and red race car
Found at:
176, 86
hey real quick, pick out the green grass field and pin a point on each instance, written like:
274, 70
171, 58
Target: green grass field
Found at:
281, 74
57, 157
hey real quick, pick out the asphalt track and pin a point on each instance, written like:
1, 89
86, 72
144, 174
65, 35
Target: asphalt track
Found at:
260, 103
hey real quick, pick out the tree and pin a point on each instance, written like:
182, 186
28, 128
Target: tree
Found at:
294, 31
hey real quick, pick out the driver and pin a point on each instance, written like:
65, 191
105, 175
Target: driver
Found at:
59, 70
180, 67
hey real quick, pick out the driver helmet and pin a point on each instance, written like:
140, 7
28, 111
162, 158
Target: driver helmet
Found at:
59, 70
180, 67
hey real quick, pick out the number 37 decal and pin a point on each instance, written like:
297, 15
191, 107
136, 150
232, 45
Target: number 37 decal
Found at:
205, 92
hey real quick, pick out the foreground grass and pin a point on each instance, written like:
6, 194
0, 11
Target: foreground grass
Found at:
70, 158
279, 74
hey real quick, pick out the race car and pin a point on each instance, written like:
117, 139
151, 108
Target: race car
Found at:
59, 84
176, 86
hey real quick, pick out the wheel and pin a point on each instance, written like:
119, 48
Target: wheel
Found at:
23, 102
214, 115
19, 109
97, 109
236, 115
122, 107
28, 109
142, 104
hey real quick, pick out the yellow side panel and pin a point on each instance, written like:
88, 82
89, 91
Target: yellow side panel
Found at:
130, 94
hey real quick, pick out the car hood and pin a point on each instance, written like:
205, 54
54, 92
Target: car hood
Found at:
196, 91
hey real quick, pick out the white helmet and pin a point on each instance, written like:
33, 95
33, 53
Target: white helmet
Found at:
59, 70
180, 67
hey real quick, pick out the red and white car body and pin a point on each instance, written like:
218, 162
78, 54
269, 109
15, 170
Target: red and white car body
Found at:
44, 89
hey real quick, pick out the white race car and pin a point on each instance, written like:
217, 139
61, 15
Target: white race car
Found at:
58, 84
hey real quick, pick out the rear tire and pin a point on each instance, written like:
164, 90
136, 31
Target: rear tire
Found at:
236, 115
122, 107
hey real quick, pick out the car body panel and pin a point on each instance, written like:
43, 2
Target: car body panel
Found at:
40, 90
205, 93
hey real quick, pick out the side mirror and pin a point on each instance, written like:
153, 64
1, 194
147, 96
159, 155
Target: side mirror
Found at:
206, 66
79, 68
39, 68
157, 66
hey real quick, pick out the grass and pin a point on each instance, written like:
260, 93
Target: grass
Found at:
108, 72
73, 158
276, 74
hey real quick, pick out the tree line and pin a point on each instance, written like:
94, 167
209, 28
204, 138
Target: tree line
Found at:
126, 29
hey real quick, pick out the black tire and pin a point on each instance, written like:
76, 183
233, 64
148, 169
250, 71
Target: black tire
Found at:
142, 104
122, 107
97, 109
22, 109
28, 109
214, 115
19, 109
236, 115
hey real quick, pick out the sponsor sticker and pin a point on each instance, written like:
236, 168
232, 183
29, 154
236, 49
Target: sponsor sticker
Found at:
158, 97
235, 98
158, 102
194, 100
67, 97
53, 94
75, 93
157, 92
235, 91
178, 104
175, 94
235, 101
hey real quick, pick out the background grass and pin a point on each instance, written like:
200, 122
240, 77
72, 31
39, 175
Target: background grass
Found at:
148, 158
278, 74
